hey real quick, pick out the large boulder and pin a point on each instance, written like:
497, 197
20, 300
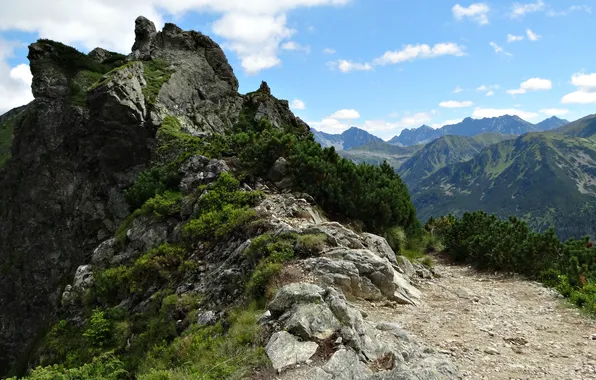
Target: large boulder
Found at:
285, 350
295, 293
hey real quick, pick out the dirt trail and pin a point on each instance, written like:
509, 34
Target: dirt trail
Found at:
498, 327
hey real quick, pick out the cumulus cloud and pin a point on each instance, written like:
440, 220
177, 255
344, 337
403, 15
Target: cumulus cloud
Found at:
458, 90
477, 12
298, 104
490, 93
480, 113
585, 92
346, 66
554, 111
253, 30
294, 46
532, 36
420, 51
498, 49
345, 114
532, 84
15, 82
514, 38
456, 104
519, 10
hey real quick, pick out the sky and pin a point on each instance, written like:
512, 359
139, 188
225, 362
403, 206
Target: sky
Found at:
380, 65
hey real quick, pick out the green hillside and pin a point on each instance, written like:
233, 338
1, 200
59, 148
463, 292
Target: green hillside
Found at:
546, 179
374, 153
444, 151
584, 127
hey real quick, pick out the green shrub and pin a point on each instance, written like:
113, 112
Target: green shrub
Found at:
174, 146
216, 225
99, 330
150, 183
310, 244
166, 204
210, 353
104, 367
157, 267
396, 238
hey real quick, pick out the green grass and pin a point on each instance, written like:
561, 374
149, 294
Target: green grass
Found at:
157, 72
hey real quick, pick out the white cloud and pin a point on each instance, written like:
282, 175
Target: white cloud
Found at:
381, 128
554, 111
480, 113
532, 36
532, 84
457, 90
298, 104
15, 82
579, 97
346, 66
345, 114
329, 51
490, 93
477, 12
514, 38
571, 9
585, 82
294, 46
456, 104
420, 51
498, 49
253, 30
585, 92
519, 10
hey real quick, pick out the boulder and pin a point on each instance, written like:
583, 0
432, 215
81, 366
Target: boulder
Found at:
379, 246
199, 170
285, 350
345, 365
312, 322
296, 293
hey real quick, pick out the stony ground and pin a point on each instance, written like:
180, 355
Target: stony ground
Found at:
498, 327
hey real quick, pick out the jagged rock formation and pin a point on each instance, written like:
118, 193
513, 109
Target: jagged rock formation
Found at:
85, 137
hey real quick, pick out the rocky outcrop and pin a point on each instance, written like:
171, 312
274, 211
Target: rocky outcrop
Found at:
84, 139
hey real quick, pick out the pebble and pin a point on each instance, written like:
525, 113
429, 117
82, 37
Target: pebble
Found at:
491, 351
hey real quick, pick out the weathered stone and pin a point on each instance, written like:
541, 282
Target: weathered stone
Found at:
104, 252
285, 350
146, 233
312, 321
199, 170
345, 365
379, 246
144, 33
207, 318
296, 293
406, 266
429, 368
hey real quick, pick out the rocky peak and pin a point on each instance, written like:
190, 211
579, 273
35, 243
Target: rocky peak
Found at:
144, 32
264, 88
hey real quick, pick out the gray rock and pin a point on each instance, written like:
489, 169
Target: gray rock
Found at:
99, 54
144, 32
83, 278
285, 350
296, 293
279, 170
146, 233
199, 170
406, 266
104, 252
207, 318
312, 322
345, 365
379, 245
429, 368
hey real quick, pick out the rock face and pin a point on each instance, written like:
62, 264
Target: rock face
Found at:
84, 139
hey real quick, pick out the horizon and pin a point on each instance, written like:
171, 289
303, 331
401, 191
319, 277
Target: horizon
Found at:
387, 65
426, 125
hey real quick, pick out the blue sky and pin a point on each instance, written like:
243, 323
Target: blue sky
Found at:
381, 65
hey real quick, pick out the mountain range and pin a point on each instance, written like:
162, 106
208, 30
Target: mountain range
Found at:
507, 125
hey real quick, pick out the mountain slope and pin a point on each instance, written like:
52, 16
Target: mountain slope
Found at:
444, 151
547, 179
584, 127
351, 138
374, 153
414, 136
551, 123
